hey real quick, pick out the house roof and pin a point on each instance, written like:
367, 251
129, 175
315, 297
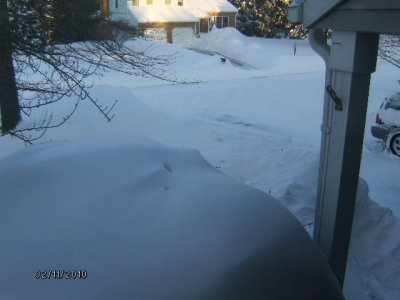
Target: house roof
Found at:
205, 6
158, 13
191, 11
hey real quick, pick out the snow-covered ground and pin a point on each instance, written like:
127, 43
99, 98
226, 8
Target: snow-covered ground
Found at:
257, 118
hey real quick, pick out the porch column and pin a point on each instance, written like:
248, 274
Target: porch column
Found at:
352, 60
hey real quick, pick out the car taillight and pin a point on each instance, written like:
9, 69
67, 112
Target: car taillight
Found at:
378, 119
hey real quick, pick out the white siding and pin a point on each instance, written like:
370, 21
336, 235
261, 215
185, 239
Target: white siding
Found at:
118, 9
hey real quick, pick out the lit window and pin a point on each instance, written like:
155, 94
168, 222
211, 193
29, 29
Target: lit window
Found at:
180, 2
167, 2
135, 2
149, 2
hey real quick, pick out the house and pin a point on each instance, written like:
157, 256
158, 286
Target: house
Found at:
350, 59
173, 21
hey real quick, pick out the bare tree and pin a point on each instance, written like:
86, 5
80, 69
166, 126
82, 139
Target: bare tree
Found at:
389, 49
10, 115
35, 71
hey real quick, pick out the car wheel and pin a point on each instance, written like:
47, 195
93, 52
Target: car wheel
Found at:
395, 144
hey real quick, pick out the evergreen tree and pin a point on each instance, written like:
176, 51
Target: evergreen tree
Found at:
265, 18
76, 20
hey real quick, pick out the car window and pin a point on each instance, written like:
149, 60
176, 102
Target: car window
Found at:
395, 101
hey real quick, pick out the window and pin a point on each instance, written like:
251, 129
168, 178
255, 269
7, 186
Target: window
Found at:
394, 101
180, 2
135, 2
167, 2
219, 21
149, 2
116, 3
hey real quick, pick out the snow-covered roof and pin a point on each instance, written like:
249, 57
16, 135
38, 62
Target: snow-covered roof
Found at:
191, 11
204, 6
158, 13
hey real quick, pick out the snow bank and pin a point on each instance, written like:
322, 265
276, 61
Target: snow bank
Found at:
146, 221
275, 55
373, 268
374, 257
227, 41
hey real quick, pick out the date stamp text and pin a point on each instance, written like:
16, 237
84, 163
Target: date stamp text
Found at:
61, 274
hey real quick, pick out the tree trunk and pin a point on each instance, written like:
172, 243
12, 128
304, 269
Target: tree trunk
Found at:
10, 110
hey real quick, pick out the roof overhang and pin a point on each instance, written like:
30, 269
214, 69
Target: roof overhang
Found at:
355, 15
311, 11
315, 10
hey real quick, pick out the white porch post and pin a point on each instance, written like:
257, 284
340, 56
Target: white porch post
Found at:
351, 62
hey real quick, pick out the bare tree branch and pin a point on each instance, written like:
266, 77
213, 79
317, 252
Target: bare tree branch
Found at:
389, 49
47, 72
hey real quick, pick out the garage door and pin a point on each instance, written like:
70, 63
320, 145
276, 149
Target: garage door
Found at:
157, 34
183, 36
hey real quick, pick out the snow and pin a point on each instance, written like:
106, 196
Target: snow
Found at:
390, 116
374, 249
257, 119
148, 14
191, 10
202, 7
147, 221
389, 111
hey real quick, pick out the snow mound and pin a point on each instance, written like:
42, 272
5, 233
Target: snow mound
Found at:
373, 269
227, 33
276, 56
227, 41
147, 221
374, 257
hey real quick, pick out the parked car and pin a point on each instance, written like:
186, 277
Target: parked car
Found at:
387, 124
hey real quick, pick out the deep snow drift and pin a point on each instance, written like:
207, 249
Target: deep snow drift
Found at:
374, 251
256, 118
146, 221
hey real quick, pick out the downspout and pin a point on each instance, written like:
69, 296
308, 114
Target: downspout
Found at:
319, 43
